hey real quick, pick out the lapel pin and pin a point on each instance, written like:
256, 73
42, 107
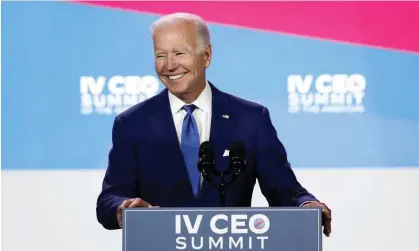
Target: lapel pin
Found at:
226, 116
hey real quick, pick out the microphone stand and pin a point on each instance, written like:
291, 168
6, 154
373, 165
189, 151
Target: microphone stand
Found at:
222, 186
222, 190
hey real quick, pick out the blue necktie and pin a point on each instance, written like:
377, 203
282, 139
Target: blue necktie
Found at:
190, 146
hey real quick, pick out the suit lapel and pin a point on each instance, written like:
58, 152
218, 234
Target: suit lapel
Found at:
221, 124
162, 122
165, 132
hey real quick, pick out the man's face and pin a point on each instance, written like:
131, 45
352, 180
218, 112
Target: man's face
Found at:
179, 62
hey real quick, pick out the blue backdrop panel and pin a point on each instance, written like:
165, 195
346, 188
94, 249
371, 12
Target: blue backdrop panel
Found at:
48, 47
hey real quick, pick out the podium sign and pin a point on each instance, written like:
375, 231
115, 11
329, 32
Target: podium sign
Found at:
270, 229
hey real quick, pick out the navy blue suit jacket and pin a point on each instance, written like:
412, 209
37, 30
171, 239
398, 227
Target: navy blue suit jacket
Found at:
146, 161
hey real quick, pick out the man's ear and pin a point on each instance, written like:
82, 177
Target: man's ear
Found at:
208, 55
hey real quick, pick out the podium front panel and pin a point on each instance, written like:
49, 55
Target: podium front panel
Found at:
270, 229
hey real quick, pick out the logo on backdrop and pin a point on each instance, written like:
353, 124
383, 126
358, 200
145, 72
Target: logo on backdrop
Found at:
237, 231
326, 93
113, 95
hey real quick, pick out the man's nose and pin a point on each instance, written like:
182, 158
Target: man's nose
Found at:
171, 64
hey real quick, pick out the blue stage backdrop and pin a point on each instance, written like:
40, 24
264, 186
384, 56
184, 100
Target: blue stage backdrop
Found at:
340, 80
68, 69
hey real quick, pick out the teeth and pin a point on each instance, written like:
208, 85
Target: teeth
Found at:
176, 76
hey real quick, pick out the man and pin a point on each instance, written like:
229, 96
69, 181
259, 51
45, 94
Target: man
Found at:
153, 160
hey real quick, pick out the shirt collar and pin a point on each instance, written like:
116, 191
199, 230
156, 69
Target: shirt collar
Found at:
203, 102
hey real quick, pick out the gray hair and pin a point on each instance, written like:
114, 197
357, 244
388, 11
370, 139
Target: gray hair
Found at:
202, 31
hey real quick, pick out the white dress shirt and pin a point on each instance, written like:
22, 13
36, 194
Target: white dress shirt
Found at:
202, 113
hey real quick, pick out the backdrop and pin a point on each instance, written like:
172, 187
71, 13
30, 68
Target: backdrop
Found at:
340, 80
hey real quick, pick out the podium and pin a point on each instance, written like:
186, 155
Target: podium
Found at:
270, 229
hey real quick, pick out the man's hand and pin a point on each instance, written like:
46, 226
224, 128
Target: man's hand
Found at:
131, 203
326, 215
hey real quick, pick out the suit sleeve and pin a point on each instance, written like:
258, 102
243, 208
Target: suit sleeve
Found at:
276, 179
120, 181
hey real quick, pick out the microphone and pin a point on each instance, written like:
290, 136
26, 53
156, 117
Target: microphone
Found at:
206, 161
235, 168
237, 158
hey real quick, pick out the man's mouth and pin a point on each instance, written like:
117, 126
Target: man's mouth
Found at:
176, 77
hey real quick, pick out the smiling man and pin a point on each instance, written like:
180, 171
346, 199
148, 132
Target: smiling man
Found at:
182, 53
153, 160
